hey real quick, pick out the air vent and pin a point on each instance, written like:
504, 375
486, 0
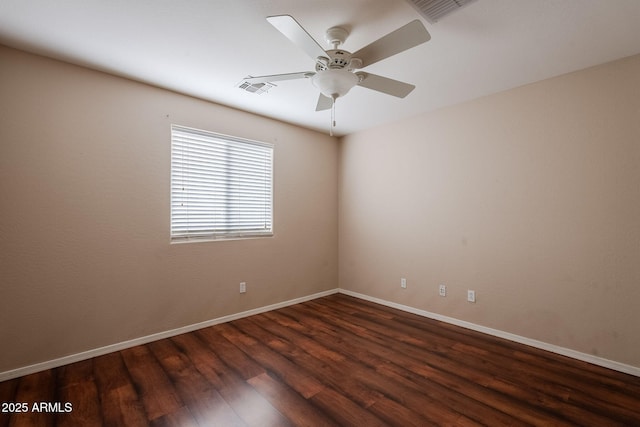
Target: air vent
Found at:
257, 88
435, 10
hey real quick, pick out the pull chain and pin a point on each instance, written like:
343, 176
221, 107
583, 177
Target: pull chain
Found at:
333, 114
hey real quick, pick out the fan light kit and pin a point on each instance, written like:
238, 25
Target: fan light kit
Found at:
335, 69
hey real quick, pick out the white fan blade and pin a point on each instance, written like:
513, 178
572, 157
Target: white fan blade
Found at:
412, 34
298, 35
385, 85
324, 103
277, 77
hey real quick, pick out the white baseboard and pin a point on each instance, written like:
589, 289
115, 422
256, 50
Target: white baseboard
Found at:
26, 370
585, 357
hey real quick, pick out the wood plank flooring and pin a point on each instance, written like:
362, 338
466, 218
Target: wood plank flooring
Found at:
334, 361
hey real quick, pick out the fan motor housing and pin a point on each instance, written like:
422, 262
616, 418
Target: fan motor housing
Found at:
338, 60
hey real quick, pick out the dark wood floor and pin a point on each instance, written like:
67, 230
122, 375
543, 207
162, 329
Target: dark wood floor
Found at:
332, 361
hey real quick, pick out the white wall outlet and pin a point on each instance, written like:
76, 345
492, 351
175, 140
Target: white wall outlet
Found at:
403, 283
442, 290
243, 287
471, 296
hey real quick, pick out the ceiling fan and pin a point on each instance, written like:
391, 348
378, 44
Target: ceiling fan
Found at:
335, 73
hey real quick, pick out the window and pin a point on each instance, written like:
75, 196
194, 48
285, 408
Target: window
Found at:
221, 186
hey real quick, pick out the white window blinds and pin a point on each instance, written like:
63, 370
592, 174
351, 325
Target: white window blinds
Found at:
221, 186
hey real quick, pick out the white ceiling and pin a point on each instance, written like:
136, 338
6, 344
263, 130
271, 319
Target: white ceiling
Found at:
204, 48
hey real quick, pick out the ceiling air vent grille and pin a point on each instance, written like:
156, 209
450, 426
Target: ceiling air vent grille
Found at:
257, 88
434, 10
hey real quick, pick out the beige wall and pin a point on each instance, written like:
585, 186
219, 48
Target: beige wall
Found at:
85, 259
531, 197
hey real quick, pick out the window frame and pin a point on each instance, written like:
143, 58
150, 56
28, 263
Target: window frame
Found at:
224, 230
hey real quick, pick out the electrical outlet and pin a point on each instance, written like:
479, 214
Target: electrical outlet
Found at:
243, 287
442, 290
471, 296
403, 283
